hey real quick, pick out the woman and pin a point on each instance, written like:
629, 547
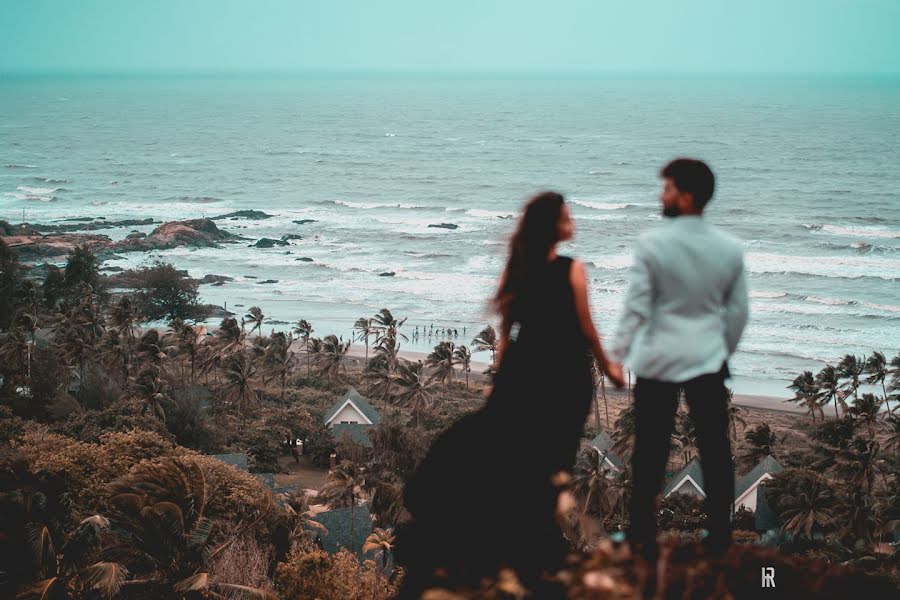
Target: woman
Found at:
484, 497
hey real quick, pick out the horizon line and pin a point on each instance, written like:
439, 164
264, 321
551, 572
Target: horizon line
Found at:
449, 72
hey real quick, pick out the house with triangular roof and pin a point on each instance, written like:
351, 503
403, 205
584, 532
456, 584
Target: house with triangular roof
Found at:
351, 408
337, 530
237, 459
750, 493
689, 480
355, 432
611, 461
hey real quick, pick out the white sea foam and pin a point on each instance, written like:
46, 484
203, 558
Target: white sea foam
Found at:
826, 300
849, 267
36, 190
867, 232
764, 294
490, 214
602, 205
370, 205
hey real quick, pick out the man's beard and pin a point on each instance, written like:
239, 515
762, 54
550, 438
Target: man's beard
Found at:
671, 211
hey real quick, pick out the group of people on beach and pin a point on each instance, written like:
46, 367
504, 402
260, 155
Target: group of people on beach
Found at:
437, 332
485, 496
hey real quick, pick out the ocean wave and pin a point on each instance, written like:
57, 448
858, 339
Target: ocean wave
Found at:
764, 294
603, 205
892, 308
49, 180
32, 197
38, 191
867, 232
858, 247
840, 267
15, 166
370, 205
196, 199
828, 301
490, 214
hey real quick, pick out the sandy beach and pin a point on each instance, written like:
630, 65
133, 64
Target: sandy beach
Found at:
356, 358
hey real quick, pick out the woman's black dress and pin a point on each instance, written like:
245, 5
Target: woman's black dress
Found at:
482, 498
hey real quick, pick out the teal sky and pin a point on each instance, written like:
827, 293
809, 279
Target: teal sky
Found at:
650, 36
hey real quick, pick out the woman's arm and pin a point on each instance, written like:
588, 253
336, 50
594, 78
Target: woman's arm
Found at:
578, 280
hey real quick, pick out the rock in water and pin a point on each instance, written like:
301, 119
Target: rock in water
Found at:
215, 279
445, 226
291, 236
244, 214
195, 233
304, 221
387, 274
268, 243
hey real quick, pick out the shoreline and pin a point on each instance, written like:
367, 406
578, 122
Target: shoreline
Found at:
356, 354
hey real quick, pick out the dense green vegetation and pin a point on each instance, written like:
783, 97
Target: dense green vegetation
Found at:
107, 490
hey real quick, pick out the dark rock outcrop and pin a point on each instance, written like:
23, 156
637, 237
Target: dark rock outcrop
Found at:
268, 243
444, 226
195, 233
291, 236
244, 214
387, 274
304, 221
215, 279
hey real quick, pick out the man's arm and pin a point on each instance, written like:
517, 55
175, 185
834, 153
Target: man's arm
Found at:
736, 310
638, 304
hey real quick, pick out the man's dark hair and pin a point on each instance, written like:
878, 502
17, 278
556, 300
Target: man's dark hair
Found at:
692, 176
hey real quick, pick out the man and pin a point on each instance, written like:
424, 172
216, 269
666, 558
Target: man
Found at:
684, 313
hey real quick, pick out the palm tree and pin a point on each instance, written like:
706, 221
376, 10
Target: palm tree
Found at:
364, 330
124, 320
149, 387
851, 368
877, 371
894, 373
343, 490
806, 392
829, 388
590, 481
892, 443
239, 389
380, 540
189, 340
280, 358
441, 360
486, 340
463, 357
685, 434
159, 523
387, 325
304, 330
14, 352
417, 391
331, 356
78, 566
761, 441
255, 315
734, 414
859, 464
866, 409
804, 499
623, 433
227, 339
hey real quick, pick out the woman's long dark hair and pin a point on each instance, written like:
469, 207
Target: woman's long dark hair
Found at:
537, 232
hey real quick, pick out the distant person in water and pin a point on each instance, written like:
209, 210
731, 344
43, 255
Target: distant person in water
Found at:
486, 494
684, 313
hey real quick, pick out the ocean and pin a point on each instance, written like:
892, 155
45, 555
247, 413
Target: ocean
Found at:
808, 176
